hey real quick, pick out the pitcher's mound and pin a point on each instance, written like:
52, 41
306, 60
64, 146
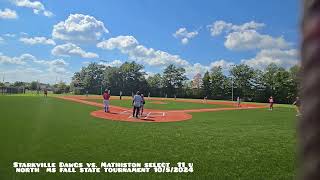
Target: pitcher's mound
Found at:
151, 116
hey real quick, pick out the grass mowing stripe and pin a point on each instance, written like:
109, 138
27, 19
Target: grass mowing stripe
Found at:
169, 104
242, 144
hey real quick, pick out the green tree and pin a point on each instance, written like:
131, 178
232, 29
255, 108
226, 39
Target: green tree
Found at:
113, 79
173, 78
90, 78
206, 84
34, 85
19, 84
258, 87
197, 86
243, 76
61, 87
294, 82
132, 77
269, 78
155, 85
217, 82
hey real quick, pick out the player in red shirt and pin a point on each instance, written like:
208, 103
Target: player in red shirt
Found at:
271, 101
106, 98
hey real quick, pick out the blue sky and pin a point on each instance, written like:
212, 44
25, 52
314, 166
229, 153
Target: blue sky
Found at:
50, 40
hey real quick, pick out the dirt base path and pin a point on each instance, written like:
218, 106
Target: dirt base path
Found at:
151, 115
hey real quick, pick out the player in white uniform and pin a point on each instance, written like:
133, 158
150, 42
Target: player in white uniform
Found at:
136, 103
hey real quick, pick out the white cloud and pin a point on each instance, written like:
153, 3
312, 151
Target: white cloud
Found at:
149, 74
149, 56
28, 74
57, 62
123, 43
251, 39
10, 35
283, 58
222, 63
79, 28
246, 36
192, 70
36, 6
114, 63
184, 35
56, 66
184, 40
29, 68
8, 14
2, 40
130, 46
21, 60
219, 27
37, 40
23, 34
70, 49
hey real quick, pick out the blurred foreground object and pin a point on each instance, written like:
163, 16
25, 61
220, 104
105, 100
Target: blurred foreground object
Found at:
309, 126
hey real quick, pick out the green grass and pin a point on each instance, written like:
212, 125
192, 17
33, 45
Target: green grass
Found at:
243, 144
169, 104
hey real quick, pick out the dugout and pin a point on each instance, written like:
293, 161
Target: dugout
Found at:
12, 90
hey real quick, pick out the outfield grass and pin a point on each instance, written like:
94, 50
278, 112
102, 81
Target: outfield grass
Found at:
243, 144
169, 104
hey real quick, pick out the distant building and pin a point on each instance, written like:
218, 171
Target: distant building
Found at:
6, 84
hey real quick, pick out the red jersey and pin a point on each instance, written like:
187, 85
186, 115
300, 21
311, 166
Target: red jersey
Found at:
106, 96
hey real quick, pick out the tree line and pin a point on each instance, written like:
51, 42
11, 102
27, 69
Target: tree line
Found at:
242, 81
58, 88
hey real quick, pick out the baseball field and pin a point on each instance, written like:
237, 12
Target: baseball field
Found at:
221, 140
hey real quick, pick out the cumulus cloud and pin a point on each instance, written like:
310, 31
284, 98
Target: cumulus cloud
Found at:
70, 49
57, 62
28, 74
36, 6
222, 63
283, 58
29, 68
130, 46
123, 43
23, 34
184, 35
197, 68
24, 59
10, 35
114, 63
1, 40
246, 36
148, 56
219, 27
79, 28
20, 60
251, 39
56, 66
8, 14
38, 40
